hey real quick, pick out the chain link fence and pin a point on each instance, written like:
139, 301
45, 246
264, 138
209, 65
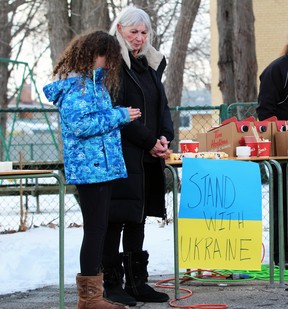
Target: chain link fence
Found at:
34, 134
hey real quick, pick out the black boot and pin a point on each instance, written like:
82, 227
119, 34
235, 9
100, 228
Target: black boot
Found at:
135, 266
113, 274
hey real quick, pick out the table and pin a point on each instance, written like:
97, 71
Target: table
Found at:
24, 174
269, 162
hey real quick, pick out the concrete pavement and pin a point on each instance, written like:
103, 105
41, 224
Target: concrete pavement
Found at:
244, 294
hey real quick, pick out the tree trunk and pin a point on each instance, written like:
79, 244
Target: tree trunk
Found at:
245, 53
58, 27
89, 15
5, 52
63, 26
225, 23
175, 70
237, 53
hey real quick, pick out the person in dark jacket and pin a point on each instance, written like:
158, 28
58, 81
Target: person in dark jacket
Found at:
273, 101
93, 157
273, 92
145, 144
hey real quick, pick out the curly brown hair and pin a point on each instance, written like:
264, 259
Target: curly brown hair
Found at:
81, 52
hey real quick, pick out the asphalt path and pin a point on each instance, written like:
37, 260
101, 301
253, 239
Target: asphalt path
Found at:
245, 294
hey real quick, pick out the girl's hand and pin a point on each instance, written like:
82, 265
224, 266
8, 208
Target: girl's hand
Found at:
134, 113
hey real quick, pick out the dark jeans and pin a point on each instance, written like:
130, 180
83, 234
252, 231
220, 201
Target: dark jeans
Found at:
94, 202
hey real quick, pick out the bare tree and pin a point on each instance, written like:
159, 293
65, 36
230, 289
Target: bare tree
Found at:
17, 22
175, 70
74, 17
5, 51
237, 55
68, 18
58, 27
225, 23
245, 52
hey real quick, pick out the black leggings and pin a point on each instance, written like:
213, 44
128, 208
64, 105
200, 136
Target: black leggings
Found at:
133, 234
94, 203
133, 238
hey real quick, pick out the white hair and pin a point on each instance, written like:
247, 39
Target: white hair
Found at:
133, 16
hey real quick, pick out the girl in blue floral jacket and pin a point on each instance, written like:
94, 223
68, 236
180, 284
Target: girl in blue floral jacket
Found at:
93, 158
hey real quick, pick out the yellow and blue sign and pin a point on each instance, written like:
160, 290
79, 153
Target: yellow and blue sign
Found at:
220, 215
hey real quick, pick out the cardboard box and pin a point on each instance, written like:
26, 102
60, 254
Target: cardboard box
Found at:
201, 138
228, 136
277, 127
281, 143
231, 134
264, 130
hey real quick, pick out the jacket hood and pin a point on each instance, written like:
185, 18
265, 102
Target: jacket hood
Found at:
56, 91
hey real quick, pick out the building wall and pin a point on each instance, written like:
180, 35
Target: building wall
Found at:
271, 34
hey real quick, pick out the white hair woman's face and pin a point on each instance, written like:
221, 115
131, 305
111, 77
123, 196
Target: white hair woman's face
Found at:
135, 35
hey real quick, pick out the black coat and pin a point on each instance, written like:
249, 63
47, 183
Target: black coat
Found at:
128, 194
273, 93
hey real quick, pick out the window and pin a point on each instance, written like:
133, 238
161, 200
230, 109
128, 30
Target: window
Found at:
185, 121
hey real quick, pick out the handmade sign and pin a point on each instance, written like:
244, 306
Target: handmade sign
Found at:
220, 215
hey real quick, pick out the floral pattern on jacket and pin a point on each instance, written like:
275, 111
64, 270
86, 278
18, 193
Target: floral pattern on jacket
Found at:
90, 129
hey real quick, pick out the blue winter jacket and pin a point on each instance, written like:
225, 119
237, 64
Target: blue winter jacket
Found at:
90, 129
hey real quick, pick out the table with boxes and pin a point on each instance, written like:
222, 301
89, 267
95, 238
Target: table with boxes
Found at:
270, 140
232, 133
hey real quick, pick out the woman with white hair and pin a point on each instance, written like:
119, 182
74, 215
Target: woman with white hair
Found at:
145, 145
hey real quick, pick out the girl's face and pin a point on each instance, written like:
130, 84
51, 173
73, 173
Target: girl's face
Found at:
135, 35
100, 62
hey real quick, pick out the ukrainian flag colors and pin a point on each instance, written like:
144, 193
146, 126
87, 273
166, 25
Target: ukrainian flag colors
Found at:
220, 215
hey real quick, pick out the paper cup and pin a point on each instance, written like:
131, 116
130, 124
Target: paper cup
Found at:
264, 149
253, 148
250, 139
243, 151
6, 166
189, 146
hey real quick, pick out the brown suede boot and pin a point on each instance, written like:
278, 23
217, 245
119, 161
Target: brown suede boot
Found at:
90, 293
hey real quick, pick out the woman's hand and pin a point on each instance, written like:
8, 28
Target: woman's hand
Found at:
134, 113
160, 150
164, 142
